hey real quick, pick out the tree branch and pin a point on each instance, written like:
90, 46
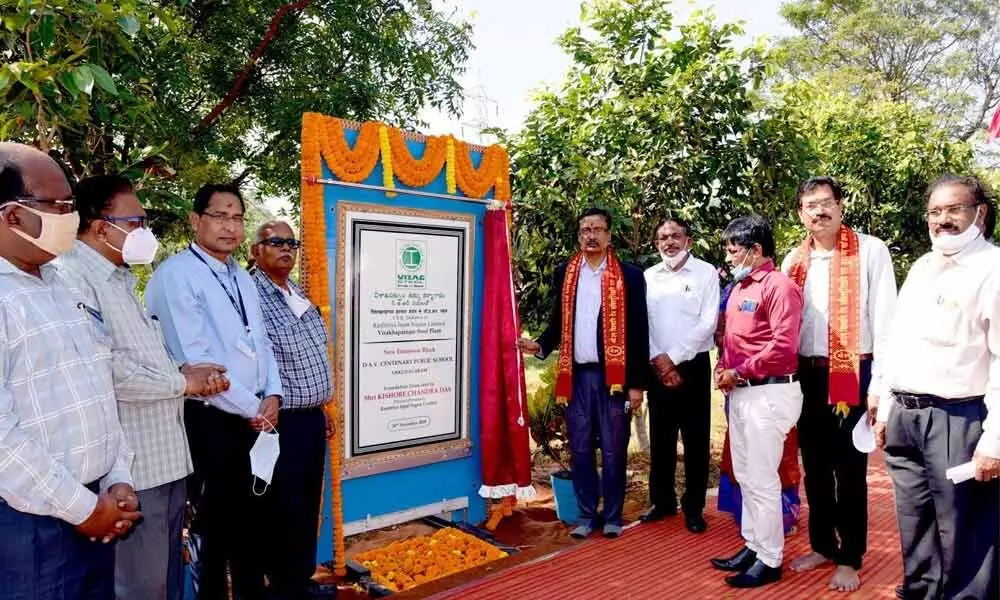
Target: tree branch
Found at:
251, 64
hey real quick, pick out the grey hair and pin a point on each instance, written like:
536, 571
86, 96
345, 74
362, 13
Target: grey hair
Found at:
258, 237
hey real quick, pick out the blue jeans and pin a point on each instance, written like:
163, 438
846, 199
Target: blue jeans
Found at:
44, 558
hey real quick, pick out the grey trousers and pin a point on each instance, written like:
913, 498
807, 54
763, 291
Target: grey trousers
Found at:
148, 563
949, 532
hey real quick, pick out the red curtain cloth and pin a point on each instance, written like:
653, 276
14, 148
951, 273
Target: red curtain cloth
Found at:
993, 132
503, 410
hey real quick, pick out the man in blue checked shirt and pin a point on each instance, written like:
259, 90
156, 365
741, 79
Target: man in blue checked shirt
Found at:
208, 308
299, 337
65, 481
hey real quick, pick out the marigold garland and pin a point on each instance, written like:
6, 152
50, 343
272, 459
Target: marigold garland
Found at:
450, 167
387, 180
316, 278
353, 165
406, 564
417, 173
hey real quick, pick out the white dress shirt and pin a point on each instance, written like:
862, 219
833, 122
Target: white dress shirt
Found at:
588, 311
878, 301
683, 308
945, 337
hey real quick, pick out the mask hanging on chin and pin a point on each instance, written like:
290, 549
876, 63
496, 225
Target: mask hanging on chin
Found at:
948, 244
140, 246
674, 261
58, 231
741, 271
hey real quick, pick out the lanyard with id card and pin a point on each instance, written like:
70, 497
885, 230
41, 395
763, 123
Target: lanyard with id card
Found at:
245, 343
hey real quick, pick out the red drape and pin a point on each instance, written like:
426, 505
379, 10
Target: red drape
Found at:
993, 132
502, 397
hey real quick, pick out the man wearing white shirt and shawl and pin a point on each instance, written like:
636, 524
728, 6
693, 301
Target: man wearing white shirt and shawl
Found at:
940, 405
849, 290
682, 299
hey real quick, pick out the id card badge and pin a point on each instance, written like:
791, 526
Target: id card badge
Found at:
243, 345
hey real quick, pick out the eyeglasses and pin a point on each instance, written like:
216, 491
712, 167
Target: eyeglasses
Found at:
593, 230
137, 220
671, 237
64, 206
952, 211
278, 242
826, 203
234, 219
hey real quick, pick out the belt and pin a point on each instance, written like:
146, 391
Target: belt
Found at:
768, 380
822, 362
587, 366
917, 401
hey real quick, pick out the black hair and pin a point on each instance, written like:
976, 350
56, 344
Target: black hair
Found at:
747, 231
814, 183
594, 211
683, 224
204, 195
978, 193
11, 181
94, 196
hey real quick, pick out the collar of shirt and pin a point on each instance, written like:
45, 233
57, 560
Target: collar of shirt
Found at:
761, 271
600, 268
223, 268
261, 278
94, 262
47, 271
967, 254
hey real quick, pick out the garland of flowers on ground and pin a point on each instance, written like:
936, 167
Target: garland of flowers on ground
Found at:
316, 276
406, 564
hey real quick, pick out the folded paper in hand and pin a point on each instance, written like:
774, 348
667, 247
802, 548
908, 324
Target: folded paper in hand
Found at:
962, 472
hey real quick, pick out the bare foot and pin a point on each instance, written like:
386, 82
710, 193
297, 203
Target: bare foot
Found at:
845, 579
808, 562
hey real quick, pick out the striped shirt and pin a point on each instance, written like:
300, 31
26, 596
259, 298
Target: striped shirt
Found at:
149, 386
300, 346
59, 426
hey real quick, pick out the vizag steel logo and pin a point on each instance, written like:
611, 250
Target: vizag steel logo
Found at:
411, 266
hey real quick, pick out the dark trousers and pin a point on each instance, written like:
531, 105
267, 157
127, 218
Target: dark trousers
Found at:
593, 417
835, 471
948, 531
688, 410
230, 518
148, 562
294, 499
44, 558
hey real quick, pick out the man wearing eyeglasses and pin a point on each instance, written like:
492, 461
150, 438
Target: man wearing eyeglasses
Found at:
850, 290
210, 313
940, 403
111, 238
65, 482
299, 336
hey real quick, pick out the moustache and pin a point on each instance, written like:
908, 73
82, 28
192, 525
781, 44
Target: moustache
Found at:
819, 218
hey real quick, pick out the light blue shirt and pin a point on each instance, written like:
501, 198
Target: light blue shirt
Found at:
201, 324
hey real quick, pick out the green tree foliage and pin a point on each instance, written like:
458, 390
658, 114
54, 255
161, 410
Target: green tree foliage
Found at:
942, 55
651, 120
174, 93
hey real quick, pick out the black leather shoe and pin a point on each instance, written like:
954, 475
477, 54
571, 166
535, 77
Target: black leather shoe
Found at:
656, 514
757, 575
739, 562
900, 593
695, 523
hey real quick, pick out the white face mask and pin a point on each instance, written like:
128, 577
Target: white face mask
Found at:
296, 303
140, 246
948, 244
674, 261
58, 231
740, 272
263, 457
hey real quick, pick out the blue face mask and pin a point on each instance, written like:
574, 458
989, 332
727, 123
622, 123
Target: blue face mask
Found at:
741, 271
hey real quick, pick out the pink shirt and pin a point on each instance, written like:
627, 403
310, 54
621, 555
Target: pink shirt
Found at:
763, 318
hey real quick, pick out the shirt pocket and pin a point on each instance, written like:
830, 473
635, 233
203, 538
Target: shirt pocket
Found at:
689, 302
943, 323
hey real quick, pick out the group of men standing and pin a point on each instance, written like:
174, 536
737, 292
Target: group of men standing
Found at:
823, 344
114, 413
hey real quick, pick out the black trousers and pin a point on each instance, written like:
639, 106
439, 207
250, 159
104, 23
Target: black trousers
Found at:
294, 498
230, 518
948, 531
836, 473
688, 410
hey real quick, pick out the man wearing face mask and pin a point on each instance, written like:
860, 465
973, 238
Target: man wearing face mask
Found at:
850, 291
112, 237
758, 369
940, 404
682, 298
299, 336
210, 313
65, 483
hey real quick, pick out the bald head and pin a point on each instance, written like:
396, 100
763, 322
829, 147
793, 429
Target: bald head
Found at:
275, 249
27, 171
